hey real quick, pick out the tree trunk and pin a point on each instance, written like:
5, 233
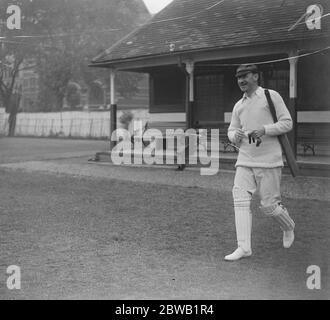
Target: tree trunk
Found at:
12, 124
13, 110
59, 102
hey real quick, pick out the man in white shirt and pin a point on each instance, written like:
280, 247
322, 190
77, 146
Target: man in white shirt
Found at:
259, 163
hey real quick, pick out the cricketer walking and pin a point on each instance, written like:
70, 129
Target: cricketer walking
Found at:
259, 163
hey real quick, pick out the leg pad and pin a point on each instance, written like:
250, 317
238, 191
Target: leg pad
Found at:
243, 218
281, 215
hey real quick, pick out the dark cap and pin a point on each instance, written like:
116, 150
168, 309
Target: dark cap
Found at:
244, 69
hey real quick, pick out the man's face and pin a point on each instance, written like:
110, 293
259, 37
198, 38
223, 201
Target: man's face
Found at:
248, 81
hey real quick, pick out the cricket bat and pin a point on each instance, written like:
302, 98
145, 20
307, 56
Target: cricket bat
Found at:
284, 141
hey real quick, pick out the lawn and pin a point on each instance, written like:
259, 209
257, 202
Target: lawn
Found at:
97, 238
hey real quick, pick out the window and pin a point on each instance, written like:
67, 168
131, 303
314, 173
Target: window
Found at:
169, 88
314, 82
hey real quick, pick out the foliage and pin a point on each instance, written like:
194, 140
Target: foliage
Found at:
66, 35
94, 26
127, 83
14, 52
72, 96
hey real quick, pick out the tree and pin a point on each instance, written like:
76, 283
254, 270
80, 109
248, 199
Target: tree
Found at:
60, 37
124, 17
14, 56
72, 95
76, 38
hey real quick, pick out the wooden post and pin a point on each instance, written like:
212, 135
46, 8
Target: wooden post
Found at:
293, 61
80, 125
51, 127
189, 107
104, 96
101, 128
27, 131
71, 124
113, 107
35, 127
90, 127
191, 93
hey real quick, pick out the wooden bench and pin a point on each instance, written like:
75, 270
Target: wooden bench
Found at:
223, 133
307, 137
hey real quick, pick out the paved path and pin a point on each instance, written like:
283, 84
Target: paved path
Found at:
298, 188
70, 157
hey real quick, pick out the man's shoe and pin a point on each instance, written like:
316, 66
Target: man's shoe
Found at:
288, 238
238, 254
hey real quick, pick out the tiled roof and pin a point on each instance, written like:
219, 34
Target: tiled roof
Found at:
187, 25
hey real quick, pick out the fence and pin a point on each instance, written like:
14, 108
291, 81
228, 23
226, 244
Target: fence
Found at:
78, 124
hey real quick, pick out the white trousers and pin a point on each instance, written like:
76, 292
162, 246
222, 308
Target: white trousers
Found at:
267, 182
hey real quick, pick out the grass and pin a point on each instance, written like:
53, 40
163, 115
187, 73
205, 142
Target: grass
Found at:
82, 238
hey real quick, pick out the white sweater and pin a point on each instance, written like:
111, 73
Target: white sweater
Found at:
252, 114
